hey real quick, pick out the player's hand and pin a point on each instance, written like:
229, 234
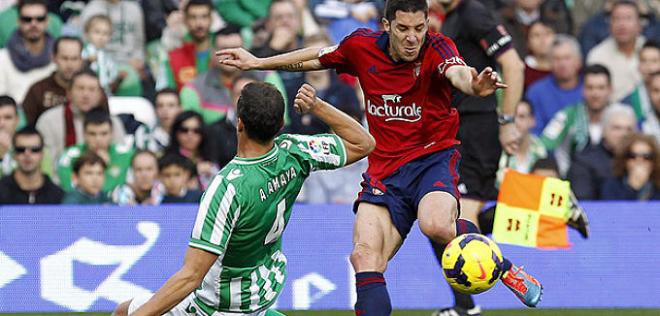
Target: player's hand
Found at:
509, 138
237, 57
486, 82
306, 100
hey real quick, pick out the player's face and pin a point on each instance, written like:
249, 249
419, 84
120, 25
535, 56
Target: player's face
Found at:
85, 93
90, 178
174, 179
649, 62
32, 22
68, 59
28, 153
524, 119
597, 91
98, 137
198, 21
654, 92
145, 171
407, 33
167, 108
189, 134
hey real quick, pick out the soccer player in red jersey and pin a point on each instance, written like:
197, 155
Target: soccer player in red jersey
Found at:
407, 75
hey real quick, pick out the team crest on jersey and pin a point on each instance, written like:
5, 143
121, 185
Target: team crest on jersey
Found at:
318, 146
328, 50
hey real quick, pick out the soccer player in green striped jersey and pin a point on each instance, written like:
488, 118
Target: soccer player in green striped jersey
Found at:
234, 264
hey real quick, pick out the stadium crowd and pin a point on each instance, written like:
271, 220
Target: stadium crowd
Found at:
123, 102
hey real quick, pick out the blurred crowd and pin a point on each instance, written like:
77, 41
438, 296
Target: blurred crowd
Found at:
123, 102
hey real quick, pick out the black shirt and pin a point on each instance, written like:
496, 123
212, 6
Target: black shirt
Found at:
480, 40
11, 193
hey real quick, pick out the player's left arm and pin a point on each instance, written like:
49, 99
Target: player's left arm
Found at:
195, 266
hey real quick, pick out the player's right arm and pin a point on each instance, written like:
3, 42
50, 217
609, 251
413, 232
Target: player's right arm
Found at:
298, 60
357, 141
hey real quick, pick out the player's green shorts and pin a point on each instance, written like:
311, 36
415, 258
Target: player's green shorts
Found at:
187, 307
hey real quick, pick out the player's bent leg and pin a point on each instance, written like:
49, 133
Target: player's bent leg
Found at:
470, 209
437, 213
122, 309
375, 241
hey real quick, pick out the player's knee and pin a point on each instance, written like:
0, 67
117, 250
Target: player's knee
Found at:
439, 230
122, 309
364, 258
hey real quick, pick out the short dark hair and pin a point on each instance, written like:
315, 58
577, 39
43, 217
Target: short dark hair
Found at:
651, 44
65, 38
97, 18
229, 29
168, 91
22, 3
178, 160
6, 100
598, 69
97, 117
261, 108
27, 131
84, 72
88, 158
546, 163
392, 6
630, 3
191, 3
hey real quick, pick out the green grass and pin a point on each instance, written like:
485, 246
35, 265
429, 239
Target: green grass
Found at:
517, 312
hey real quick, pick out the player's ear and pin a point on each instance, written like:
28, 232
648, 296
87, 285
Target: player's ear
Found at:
386, 24
240, 127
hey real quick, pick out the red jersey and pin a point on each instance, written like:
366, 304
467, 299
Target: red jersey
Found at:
408, 104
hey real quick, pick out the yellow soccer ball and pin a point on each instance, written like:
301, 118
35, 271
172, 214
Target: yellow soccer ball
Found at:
472, 263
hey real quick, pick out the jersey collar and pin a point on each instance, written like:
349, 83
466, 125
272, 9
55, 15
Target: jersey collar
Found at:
383, 43
255, 160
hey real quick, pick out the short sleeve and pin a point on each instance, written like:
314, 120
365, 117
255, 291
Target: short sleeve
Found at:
217, 215
493, 37
320, 152
337, 56
448, 52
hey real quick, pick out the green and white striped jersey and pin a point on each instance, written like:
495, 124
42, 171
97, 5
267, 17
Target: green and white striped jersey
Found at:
242, 216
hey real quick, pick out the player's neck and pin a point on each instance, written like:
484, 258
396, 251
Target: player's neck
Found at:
250, 149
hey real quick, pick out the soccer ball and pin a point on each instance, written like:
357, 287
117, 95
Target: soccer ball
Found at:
472, 263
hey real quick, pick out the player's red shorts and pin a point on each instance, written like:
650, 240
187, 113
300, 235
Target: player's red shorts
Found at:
402, 191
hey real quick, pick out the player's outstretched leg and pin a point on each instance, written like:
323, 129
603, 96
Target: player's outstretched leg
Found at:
375, 241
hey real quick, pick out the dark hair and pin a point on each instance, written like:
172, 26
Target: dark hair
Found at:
173, 159
204, 149
630, 3
84, 72
651, 44
27, 131
392, 6
529, 105
22, 3
6, 100
168, 91
141, 152
59, 40
229, 29
546, 163
191, 3
621, 156
88, 158
261, 108
598, 69
97, 117
97, 18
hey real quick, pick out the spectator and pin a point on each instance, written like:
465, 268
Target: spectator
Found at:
519, 16
168, 107
636, 171
175, 173
62, 126
649, 63
242, 12
27, 184
281, 31
575, 127
51, 91
98, 139
546, 167
592, 166
9, 22
144, 189
156, 20
127, 42
209, 94
530, 148
194, 56
620, 52
8, 124
189, 139
349, 15
98, 32
26, 59
329, 88
88, 178
651, 124
538, 63
562, 88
